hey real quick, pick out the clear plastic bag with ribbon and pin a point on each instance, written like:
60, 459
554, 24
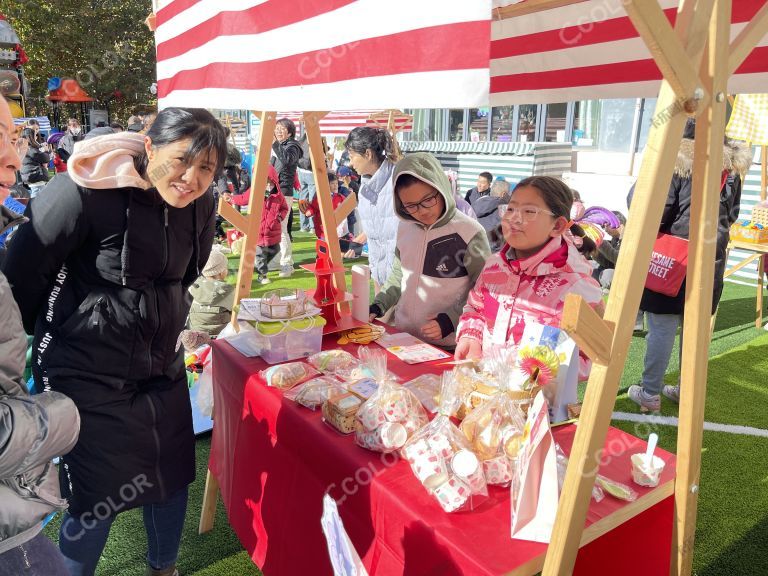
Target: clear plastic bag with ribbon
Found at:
442, 459
391, 415
495, 428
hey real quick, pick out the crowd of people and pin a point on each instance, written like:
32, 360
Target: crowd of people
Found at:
113, 259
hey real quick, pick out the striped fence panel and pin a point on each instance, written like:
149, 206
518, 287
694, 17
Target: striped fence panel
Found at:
513, 160
750, 196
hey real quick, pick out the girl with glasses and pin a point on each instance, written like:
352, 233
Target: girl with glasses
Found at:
540, 262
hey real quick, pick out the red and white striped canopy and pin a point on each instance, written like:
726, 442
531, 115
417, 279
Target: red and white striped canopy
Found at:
591, 50
322, 54
336, 124
354, 54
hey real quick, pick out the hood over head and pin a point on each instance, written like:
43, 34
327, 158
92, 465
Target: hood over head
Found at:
274, 178
427, 168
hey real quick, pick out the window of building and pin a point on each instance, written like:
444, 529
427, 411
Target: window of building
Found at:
554, 128
586, 114
502, 129
478, 124
526, 126
456, 124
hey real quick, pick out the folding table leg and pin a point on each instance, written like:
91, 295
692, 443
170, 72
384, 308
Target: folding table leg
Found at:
210, 495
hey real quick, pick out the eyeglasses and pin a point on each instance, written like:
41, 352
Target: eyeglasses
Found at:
427, 202
526, 213
20, 145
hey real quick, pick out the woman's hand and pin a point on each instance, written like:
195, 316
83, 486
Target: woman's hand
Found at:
468, 349
432, 330
227, 197
372, 317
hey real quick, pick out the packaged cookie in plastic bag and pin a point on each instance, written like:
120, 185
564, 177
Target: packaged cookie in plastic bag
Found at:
426, 387
442, 459
333, 361
391, 415
285, 376
314, 392
495, 432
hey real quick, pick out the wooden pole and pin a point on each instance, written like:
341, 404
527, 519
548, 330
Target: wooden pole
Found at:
705, 202
624, 299
255, 207
320, 172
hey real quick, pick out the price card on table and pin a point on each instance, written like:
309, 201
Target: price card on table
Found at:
410, 349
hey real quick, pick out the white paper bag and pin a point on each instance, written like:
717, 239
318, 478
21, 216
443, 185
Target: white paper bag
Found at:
344, 558
534, 490
562, 390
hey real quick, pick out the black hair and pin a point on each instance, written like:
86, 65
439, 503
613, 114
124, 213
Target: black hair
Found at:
29, 135
405, 180
332, 177
116, 126
559, 199
289, 126
207, 135
377, 140
620, 217
576, 195
488, 176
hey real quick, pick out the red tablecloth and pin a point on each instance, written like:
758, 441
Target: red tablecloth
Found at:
275, 460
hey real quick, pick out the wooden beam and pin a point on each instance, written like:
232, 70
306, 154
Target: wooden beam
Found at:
666, 48
592, 334
530, 7
624, 299
232, 216
255, 208
705, 203
345, 209
320, 171
210, 496
747, 39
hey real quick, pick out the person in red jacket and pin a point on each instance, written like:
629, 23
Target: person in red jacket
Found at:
275, 211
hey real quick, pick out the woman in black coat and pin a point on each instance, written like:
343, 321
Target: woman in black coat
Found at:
286, 153
664, 313
34, 166
100, 274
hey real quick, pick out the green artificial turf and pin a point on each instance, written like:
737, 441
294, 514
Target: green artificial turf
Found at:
732, 527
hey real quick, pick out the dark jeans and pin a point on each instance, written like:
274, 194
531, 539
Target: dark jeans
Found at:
264, 255
82, 539
345, 245
36, 557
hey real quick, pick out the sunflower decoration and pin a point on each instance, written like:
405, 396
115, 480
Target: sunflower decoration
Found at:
540, 363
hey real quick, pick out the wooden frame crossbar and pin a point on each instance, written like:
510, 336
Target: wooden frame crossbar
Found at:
249, 225
689, 85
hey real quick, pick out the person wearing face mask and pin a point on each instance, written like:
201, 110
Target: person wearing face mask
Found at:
73, 134
33, 429
101, 275
371, 156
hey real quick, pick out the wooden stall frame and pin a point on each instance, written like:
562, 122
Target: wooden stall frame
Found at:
701, 29
249, 225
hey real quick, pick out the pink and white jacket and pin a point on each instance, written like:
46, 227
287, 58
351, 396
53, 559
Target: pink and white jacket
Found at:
511, 292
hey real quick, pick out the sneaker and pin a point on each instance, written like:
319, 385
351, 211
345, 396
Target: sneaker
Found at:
286, 271
644, 400
673, 393
264, 280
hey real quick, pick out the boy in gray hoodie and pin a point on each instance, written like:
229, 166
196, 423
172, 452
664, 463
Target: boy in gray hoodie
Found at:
439, 255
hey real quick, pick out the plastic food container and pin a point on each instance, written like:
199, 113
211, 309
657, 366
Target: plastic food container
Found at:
289, 339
